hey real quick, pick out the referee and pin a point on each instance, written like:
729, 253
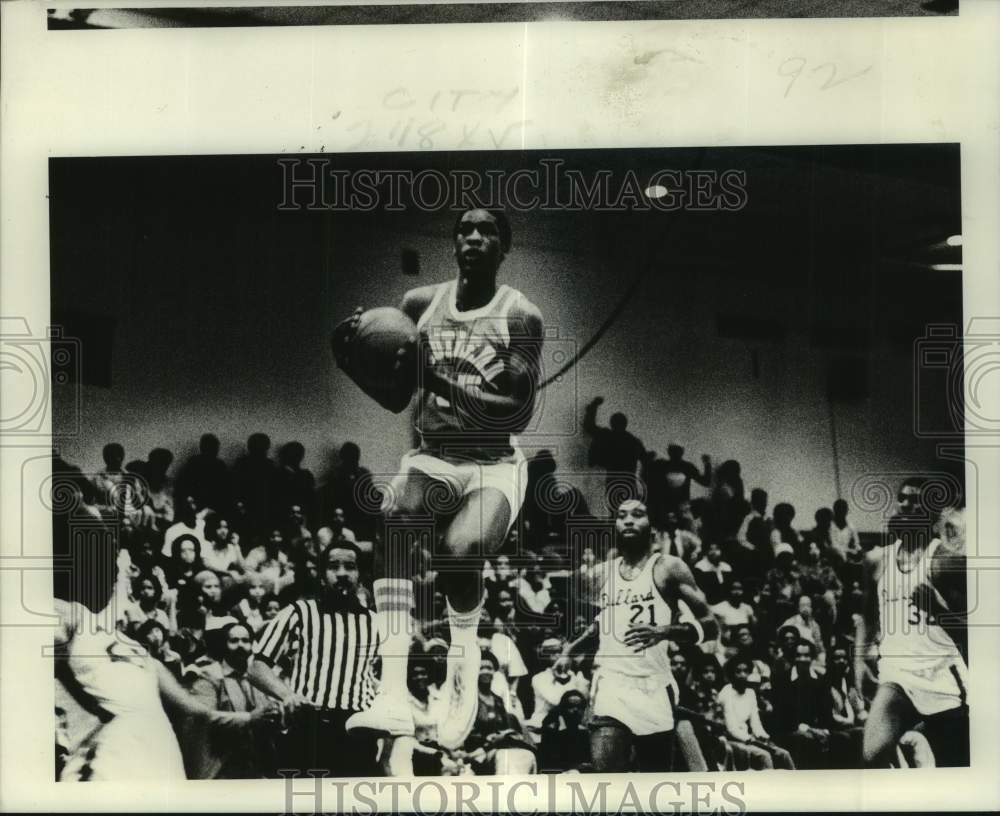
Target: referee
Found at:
333, 641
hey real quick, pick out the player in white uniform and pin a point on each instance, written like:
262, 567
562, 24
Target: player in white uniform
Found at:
645, 600
478, 375
922, 672
110, 695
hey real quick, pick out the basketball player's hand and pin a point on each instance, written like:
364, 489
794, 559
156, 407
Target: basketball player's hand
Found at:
642, 636
343, 336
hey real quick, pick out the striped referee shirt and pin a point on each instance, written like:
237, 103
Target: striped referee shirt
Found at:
333, 653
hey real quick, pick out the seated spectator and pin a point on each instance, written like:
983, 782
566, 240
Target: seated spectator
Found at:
510, 666
188, 635
565, 742
250, 609
338, 524
190, 522
271, 562
734, 611
305, 580
820, 534
497, 743
534, 588
147, 594
499, 575
243, 747
743, 725
211, 591
807, 627
270, 607
804, 712
713, 575
156, 638
185, 562
222, 555
549, 685
296, 484
420, 755
849, 712
742, 644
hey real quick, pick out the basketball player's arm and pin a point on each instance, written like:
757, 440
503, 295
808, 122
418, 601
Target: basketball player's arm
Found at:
516, 385
674, 581
590, 633
178, 699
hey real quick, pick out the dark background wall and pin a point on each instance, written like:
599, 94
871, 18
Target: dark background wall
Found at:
203, 307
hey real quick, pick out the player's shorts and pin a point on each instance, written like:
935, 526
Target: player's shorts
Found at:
465, 478
938, 688
644, 705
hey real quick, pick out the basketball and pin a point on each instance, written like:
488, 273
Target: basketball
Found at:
372, 355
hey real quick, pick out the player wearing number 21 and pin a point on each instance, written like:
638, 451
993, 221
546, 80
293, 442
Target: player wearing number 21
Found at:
645, 599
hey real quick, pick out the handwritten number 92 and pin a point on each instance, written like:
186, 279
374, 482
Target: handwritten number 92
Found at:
795, 67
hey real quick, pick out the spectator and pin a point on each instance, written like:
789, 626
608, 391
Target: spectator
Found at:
156, 638
420, 755
679, 473
338, 524
158, 502
713, 575
211, 589
534, 588
305, 580
849, 711
348, 483
675, 540
271, 562
734, 611
742, 719
783, 532
222, 555
549, 501
754, 536
297, 484
497, 743
726, 506
807, 627
844, 538
614, 449
510, 668
189, 523
107, 481
250, 609
148, 594
206, 477
549, 685
565, 745
804, 710
185, 561
256, 482
243, 747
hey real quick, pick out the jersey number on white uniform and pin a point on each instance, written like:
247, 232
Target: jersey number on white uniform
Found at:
637, 610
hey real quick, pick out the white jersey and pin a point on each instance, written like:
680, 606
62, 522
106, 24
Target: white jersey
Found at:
909, 636
112, 723
625, 603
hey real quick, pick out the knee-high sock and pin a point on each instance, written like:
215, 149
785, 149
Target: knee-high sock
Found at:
393, 601
464, 628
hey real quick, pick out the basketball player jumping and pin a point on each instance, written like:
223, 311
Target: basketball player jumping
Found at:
480, 346
911, 588
645, 599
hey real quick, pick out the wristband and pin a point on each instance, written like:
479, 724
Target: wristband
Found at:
695, 628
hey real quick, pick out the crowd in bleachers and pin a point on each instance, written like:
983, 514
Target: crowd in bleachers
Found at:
212, 544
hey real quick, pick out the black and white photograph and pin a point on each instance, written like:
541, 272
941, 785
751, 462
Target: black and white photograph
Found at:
161, 15
509, 462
